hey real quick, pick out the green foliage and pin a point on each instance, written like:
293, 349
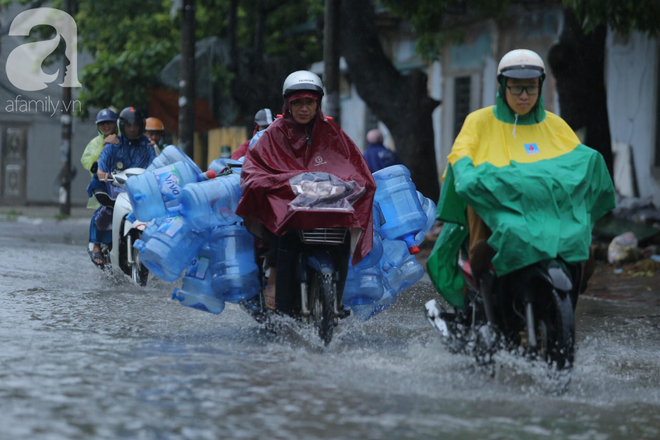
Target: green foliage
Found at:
623, 16
132, 40
296, 27
430, 18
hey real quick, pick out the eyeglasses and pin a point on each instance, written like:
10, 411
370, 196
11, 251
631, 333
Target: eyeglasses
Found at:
517, 90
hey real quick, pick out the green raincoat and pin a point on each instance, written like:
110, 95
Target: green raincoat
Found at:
533, 183
89, 156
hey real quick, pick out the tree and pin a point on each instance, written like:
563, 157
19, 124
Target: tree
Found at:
400, 101
132, 41
578, 61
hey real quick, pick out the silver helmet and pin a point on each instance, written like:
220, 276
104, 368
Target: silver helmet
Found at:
302, 80
264, 117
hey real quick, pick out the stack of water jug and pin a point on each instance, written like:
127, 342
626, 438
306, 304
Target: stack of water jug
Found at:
193, 227
402, 216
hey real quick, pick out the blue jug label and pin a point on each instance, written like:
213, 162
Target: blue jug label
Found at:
198, 268
169, 182
171, 226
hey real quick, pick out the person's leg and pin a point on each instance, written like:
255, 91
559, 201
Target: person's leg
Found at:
479, 235
97, 238
271, 261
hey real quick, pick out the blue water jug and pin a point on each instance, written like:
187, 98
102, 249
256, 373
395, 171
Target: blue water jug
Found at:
196, 289
234, 270
212, 203
170, 155
170, 249
429, 209
376, 252
150, 229
397, 197
219, 165
363, 286
368, 311
401, 270
153, 192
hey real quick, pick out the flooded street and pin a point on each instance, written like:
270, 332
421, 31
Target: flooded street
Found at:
85, 355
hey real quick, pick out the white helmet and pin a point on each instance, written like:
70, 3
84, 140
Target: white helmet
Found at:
521, 63
302, 80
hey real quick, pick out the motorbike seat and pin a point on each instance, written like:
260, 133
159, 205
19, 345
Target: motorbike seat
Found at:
104, 198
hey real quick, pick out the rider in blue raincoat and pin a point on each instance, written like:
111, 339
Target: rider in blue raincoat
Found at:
377, 155
133, 151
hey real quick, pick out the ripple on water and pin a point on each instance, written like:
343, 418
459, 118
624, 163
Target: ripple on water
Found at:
86, 355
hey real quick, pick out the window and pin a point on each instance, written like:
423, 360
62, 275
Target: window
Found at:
461, 102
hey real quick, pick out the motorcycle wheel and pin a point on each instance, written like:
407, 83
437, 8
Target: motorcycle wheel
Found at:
556, 331
322, 301
139, 273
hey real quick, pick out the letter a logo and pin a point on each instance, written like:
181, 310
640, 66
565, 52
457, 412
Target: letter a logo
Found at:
24, 62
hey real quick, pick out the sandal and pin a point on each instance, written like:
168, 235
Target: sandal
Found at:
98, 259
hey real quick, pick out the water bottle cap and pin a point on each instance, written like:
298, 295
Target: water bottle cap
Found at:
413, 250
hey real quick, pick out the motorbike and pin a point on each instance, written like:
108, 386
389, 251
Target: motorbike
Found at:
313, 263
530, 310
125, 230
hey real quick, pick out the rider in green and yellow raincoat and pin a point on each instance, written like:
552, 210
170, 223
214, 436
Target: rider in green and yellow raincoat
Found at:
526, 175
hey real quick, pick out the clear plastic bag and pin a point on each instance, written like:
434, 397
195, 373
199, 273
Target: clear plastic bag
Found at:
324, 192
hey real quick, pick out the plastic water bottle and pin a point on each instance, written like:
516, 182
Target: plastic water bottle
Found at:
219, 165
211, 203
363, 286
196, 289
429, 209
233, 267
365, 312
376, 252
170, 155
397, 197
401, 270
153, 192
170, 249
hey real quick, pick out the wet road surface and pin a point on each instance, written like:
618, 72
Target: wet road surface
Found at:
85, 355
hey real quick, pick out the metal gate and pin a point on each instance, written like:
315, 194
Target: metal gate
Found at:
13, 153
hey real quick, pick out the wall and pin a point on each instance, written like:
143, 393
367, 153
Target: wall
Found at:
353, 117
44, 130
632, 101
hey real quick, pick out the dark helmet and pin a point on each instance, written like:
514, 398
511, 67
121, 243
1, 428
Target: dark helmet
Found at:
263, 118
106, 115
131, 116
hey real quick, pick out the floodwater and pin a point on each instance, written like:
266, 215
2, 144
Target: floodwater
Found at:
85, 355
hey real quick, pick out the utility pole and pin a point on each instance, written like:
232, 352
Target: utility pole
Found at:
187, 81
331, 59
65, 148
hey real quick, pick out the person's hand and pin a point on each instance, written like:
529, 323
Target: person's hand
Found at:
102, 175
152, 143
111, 139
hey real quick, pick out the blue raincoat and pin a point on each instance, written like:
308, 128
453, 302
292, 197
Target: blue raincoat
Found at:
379, 157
